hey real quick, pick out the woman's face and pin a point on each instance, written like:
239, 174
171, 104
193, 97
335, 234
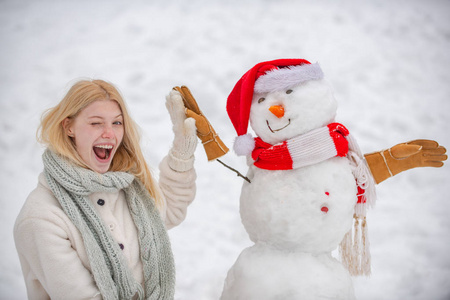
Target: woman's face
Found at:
97, 132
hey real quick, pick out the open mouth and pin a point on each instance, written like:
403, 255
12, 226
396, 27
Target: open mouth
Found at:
275, 130
103, 152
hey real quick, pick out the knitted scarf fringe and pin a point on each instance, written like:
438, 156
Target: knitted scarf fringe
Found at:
71, 185
354, 248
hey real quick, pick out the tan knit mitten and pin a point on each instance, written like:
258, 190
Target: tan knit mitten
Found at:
214, 147
405, 156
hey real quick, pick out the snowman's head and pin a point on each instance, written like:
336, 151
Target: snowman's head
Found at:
277, 116
281, 99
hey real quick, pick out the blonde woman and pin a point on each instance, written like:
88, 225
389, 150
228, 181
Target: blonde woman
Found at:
95, 226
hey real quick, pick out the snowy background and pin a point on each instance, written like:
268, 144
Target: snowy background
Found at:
389, 62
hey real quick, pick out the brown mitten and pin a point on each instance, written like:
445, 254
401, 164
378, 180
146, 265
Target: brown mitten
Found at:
405, 156
214, 147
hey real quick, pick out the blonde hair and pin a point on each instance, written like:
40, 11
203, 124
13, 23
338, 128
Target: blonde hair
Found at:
128, 157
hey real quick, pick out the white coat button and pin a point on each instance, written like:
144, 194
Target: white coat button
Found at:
111, 227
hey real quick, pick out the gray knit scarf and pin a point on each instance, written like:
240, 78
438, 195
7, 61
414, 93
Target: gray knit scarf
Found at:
71, 185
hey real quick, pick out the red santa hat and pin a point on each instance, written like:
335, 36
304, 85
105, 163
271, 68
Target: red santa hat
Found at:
265, 77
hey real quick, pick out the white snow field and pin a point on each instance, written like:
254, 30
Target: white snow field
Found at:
389, 63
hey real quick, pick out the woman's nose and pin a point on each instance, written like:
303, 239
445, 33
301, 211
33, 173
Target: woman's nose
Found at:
277, 110
108, 132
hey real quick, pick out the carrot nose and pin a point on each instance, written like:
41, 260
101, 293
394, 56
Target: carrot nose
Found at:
277, 110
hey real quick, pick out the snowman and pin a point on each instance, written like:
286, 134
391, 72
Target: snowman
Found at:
308, 188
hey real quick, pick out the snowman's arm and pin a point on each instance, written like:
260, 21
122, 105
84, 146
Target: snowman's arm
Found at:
405, 156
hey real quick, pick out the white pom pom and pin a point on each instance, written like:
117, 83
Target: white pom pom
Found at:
244, 144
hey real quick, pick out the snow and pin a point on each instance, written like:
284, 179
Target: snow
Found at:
388, 62
286, 275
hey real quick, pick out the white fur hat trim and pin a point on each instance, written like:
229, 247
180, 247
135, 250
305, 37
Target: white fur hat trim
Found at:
244, 144
285, 78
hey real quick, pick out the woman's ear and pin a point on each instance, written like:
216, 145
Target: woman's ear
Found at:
67, 128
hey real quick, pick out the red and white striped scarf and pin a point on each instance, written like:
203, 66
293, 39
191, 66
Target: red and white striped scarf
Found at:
316, 146
304, 150
313, 147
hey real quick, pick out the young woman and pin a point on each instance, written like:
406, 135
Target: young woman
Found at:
95, 226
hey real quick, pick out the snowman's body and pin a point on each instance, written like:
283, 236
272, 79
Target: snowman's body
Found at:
295, 217
262, 273
307, 210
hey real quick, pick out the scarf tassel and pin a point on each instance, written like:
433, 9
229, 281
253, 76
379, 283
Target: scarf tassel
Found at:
354, 248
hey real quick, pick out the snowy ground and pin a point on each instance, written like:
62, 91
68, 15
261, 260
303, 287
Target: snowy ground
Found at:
389, 62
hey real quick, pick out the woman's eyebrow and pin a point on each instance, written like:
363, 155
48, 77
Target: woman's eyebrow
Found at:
100, 117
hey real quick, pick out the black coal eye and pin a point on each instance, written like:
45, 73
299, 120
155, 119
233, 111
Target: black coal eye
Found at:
289, 91
261, 99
